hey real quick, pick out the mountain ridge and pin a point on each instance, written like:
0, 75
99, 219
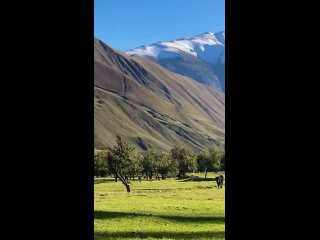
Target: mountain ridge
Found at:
198, 41
150, 106
201, 57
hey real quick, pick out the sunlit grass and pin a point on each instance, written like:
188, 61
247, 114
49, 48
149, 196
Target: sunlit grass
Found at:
166, 209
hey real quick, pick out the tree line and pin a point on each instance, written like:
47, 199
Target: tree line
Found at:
124, 163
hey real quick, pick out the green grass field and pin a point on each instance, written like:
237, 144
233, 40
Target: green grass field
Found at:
166, 209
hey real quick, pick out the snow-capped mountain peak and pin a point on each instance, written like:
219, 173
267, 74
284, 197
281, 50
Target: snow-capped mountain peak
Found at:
208, 47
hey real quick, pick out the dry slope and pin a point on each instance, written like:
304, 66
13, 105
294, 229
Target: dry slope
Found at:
150, 106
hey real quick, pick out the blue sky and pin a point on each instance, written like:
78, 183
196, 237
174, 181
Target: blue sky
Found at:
125, 24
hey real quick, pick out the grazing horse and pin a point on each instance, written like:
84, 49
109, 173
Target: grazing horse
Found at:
219, 180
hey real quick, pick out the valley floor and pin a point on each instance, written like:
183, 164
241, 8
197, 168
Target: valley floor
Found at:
165, 209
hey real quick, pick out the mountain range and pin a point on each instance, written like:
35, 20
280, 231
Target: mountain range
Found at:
201, 57
152, 107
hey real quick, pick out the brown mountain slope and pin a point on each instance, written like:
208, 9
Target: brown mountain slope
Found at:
150, 106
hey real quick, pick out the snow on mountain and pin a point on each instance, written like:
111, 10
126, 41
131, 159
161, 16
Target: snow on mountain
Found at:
208, 47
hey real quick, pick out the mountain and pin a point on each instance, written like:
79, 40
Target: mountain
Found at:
151, 107
201, 57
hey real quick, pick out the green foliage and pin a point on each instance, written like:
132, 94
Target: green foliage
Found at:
166, 166
148, 162
204, 162
100, 163
135, 165
120, 158
124, 162
191, 162
156, 163
213, 160
185, 160
216, 154
223, 160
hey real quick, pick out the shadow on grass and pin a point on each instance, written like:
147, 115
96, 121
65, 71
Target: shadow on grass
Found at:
103, 180
160, 235
186, 219
196, 179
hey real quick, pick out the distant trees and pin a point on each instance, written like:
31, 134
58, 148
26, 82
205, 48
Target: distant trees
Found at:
216, 153
124, 162
213, 160
149, 164
166, 165
204, 163
185, 160
135, 166
157, 162
222, 158
100, 163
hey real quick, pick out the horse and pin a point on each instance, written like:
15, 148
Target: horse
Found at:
219, 180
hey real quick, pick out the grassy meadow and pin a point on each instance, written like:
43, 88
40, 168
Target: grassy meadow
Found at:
165, 209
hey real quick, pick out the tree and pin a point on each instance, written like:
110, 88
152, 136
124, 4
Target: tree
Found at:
119, 158
135, 166
185, 160
165, 165
216, 153
223, 159
191, 163
100, 163
149, 165
205, 163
